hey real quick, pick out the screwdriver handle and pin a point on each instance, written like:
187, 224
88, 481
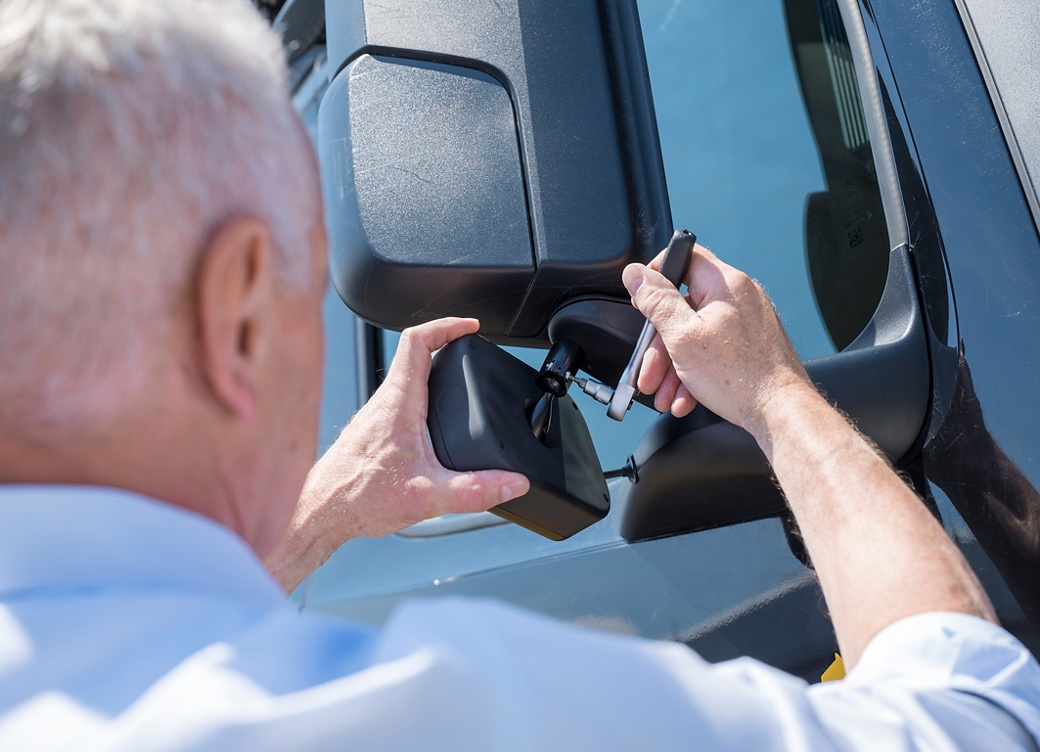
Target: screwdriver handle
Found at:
677, 256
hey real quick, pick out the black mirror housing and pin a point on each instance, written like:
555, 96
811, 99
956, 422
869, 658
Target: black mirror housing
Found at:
466, 175
481, 398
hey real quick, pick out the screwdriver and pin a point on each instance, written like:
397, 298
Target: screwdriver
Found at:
619, 400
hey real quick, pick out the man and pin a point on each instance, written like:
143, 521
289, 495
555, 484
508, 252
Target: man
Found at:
163, 264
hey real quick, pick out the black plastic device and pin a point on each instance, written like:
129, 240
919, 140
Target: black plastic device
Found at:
445, 118
480, 402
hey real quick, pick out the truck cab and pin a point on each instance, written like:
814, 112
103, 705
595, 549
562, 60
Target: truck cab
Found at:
873, 163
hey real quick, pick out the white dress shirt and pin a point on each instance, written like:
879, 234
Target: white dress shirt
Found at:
128, 624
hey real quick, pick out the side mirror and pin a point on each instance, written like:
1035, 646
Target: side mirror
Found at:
481, 399
468, 171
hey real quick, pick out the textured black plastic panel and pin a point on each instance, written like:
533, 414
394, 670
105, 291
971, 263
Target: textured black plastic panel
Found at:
700, 472
479, 399
583, 123
426, 162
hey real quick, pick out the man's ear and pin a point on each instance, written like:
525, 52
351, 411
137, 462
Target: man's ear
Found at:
234, 287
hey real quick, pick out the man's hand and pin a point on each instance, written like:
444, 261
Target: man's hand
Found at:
879, 553
727, 345
382, 475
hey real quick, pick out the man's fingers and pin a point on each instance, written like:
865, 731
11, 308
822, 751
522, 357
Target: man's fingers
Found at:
656, 363
434, 335
683, 403
479, 491
666, 393
411, 363
705, 276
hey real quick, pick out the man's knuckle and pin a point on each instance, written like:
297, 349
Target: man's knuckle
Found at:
412, 338
740, 282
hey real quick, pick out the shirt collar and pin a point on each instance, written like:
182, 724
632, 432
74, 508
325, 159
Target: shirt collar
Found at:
77, 537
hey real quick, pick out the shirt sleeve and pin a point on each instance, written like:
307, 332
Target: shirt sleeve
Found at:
496, 677
937, 681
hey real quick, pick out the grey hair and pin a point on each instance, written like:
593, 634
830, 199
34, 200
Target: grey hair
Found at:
129, 129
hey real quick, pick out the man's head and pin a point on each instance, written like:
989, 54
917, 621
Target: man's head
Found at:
160, 240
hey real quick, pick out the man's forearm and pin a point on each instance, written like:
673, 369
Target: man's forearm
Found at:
880, 555
312, 536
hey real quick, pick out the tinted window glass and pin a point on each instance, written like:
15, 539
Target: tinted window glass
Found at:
767, 156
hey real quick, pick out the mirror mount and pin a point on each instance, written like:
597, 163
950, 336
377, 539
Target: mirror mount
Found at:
607, 330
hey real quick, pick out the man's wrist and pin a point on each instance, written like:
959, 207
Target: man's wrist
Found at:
781, 407
312, 536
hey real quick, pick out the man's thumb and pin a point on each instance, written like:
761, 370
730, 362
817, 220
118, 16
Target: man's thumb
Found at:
477, 491
655, 297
